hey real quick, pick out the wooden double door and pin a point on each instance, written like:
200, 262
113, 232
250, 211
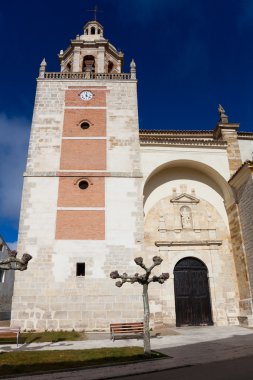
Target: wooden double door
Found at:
192, 297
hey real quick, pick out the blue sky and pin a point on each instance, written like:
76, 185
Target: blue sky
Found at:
191, 55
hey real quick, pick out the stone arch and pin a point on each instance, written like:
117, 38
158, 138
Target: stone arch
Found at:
195, 258
194, 255
210, 185
163, 232
204, 172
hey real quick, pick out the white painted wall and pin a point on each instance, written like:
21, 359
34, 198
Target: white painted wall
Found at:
153, 157
246, 149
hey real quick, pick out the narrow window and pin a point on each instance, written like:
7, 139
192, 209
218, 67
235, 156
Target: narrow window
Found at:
80, 269
68, 67
110, 67
93, 30
83, 185
1, 276
99, 31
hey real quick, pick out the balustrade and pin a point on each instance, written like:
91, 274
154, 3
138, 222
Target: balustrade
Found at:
87, 76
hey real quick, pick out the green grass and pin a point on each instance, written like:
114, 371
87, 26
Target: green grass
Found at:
20, 362
46, 336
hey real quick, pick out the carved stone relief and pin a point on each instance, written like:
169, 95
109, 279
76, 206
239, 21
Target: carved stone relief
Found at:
186, 217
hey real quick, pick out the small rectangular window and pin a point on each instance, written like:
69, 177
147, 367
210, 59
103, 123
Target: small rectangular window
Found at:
80, 269
1, 275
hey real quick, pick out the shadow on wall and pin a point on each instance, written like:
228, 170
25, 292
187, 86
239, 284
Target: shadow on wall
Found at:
178, 173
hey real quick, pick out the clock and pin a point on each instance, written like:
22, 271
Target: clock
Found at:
86, 95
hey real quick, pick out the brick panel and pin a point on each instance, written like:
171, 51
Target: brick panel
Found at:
73, 118
72, 98
80, 225
83, 155
70, 195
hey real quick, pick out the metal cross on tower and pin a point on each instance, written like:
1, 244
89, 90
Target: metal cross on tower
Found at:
95, 10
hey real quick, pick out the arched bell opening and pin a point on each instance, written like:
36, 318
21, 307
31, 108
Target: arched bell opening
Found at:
192, 295
89, 64
110, 67
69, 67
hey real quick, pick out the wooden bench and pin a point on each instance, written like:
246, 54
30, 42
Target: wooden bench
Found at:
125, 329
10, 332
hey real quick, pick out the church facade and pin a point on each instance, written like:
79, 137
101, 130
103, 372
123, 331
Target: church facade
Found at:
99, 192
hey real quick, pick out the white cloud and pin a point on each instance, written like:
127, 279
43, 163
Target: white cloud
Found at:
14, 133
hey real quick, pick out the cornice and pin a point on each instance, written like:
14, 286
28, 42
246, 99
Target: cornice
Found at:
92, 45
245, 135
202, 133
153, 140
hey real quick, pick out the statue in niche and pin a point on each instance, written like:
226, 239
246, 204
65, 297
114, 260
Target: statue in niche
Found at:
186, 218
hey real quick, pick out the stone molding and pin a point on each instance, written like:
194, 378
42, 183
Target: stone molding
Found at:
185, 198
82, 173
151, 140
228, 127
187, 243
172, 132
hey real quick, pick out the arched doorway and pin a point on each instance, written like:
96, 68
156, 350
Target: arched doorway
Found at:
192, 298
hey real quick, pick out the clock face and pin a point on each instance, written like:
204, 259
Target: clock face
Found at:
86, 95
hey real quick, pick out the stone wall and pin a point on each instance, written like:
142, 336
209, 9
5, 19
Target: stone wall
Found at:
205, 238
242, 229
49, 295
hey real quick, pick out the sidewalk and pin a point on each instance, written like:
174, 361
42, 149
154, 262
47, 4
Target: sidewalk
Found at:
193, 346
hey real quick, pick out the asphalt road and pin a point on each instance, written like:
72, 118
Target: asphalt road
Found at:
236, 369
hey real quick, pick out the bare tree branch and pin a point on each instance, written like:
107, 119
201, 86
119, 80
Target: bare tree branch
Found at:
11, 262
144, 280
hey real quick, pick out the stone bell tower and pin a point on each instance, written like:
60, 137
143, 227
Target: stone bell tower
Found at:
81, 214
91, 53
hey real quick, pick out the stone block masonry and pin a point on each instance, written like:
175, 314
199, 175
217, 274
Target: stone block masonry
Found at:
242, 182
62, 225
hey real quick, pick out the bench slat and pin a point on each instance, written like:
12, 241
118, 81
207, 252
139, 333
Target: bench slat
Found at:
126, 324
8, 332
118, 329
127, 329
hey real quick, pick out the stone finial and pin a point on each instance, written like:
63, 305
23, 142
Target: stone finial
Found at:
61, 52
43, 63
133, 69
43, 66
223, 116
133, 64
